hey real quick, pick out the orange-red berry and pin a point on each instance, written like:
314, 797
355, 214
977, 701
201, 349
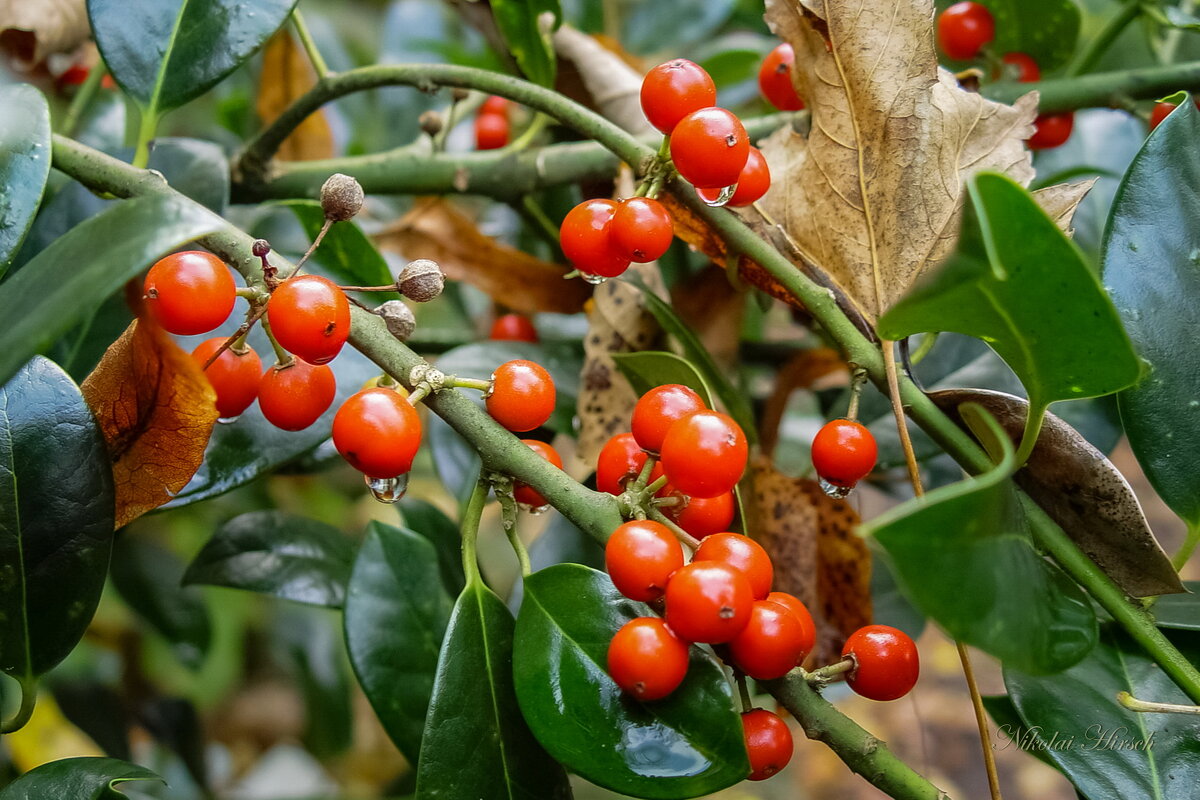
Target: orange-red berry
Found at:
771, 644
234, 376
586, 241
526, 494
310, 317
190, 292
660, 408
640, 556
886, 662
740, 552
704, 454
708, 601
646, 659
844, 452
675, 89
768, 742
775, 79
378, 431
295, 396
522, 395
513, 328
710, 147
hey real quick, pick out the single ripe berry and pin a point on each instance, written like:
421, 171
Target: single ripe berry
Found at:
740, 552
700, 516
585, 240
234, 376
190, 292
660, 408
491, 131
295, 396
752, 184
522, 395
526, 494
704, 454
640, 556
675, 89
646, 659
1052, 131
771, 644
513, 328
1022, 67
844, 452
709, 148
886, 662
378, 431
708, 601
808, 628
310, 317
1161, 112
768, 742
495, 104
641, 229
963, 29
620, 461
775, 79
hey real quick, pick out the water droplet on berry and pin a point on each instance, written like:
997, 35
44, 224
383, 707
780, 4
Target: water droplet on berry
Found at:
387, 490
723, 197
594, 280
836, 492
227, 420
535, 510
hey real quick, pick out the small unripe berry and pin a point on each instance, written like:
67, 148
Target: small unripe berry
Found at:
399, 318
341, 197
421, 280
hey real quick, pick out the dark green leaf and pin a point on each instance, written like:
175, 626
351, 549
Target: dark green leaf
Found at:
650, 368
24, 164
148, 578
659, 27
396, 614
527, 32
1152, 270
64, 282
1009, 727
427, 520
278, 554
685, 745
164, 53
964, 555
195, 168
56, 518
77, 779
312, 646
476, 743
346, 252
1179, 610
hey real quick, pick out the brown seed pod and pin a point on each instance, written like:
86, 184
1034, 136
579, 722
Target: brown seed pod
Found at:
341, 197
431, 122
399, 318
421, 280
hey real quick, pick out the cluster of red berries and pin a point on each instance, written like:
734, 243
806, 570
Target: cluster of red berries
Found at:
602, 237
492, 125
964, 29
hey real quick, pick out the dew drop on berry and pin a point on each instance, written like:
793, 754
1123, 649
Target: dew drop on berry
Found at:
594, 280
387, 490
721, 199
834, 491
536, 511
228, 420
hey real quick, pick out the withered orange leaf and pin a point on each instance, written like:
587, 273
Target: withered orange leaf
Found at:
287, 74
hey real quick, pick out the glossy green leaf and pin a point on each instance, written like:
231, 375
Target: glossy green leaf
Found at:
24, 164
427, 520
77, 779
1152, 270
964, 555
345, 252
1018, 283
56, 518
527, 26
650, 368
63, 283
195, 168
1179, 610
164, 53
1010, 729
685, 745
148, 579
1105, 749
280, 554
312, 647
476, 743
396, 613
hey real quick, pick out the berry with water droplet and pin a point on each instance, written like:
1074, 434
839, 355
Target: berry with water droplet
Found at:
378, 431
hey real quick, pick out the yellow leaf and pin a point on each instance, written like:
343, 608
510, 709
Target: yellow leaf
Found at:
287, 74
48, 736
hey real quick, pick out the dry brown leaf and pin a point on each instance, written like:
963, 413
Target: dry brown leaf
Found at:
1061, 201
286, 74
614, 86
436, 229
714, 311
156, 410
800, 371
30, 30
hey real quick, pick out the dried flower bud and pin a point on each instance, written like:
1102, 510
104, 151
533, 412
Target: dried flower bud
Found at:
458, 94
261, 248
399, 318
341, 197
421, 280
430, 122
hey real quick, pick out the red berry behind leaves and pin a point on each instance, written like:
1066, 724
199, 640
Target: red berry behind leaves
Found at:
1052, 130
963, 29
513, 328
527, 494
491, 131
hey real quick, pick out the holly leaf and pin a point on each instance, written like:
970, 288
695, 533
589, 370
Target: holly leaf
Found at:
286, 74
77, 778
345, 251
526, 26
24, 164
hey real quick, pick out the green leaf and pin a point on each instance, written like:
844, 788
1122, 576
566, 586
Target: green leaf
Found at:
193, 167
1009, 727
1047, 30
650, 368
345, 251
56, 518
964, 555
476, 742
1105, 749
396, 613
425, 519
24, 164
277, 554
164, 53
685, 745
63, 283
528, 37
77, 779
1018, 283
1180, 611
1152, 270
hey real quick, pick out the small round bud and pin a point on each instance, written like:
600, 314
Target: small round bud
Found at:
458, 94
261, 248
421, 280
399, 318
341, 197
430, 122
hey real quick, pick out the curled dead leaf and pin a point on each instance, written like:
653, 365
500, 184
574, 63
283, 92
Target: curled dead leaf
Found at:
614, 86
30, 30
800, 371
286, 74
714, 311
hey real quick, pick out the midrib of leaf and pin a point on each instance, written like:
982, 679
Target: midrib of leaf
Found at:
1149, 752
160, 78
477, 588
8, 443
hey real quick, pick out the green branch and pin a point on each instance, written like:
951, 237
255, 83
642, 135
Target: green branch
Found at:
1104, 89
1086, 58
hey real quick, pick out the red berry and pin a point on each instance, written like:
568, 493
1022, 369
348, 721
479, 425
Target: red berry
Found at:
700, 516
800, 612
1161, 112
768, 742
708, 601
709, 148
584, 236
844, 452
675, 89
527, 494
491, 131
963, 29
887, 665
771, 644
646, 660
621, 460
234, 376
293, 397
775, 79
1023, 66
641, 229
495, 104
522, 395
378, 431
190, 292
74, 75
1052, 130
640, 556
753, 183
513, 328
740, 552
310, 317
658, 409
704, 454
